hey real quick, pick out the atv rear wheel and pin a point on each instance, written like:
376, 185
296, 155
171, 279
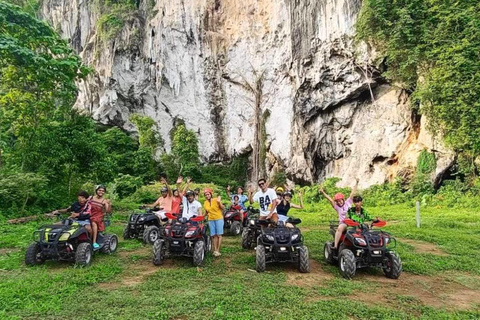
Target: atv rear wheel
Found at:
151, 234
260, 261
83, 256
393, 266
158, 252
198, 253
303, 263
110, 244
126, 233
327, 251
347, 264
235, 228
245, 243
33, 255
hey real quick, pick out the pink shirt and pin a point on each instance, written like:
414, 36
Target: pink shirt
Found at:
342, 211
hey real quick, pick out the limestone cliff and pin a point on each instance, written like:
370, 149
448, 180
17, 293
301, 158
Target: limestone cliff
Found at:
234, 69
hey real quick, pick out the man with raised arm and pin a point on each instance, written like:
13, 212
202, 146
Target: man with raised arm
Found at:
266, 199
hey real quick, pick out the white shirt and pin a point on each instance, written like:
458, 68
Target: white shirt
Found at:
265, 200
190, 209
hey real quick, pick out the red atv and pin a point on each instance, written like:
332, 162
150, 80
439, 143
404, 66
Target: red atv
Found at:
362, 247
183, 237
232, 221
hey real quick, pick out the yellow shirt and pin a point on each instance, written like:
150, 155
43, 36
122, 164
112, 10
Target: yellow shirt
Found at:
213, 209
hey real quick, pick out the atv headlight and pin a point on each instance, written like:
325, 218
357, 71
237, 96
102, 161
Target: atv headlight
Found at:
189, 234
387, 240
252, 222
294, 237
269, 237
360, 242
141, 219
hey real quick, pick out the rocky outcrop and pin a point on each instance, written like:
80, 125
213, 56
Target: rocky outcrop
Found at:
227, 68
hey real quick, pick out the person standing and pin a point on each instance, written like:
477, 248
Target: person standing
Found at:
266, 198
213, 210
99, 206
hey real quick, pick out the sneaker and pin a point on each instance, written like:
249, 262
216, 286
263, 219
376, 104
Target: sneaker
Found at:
216, 253
96, 246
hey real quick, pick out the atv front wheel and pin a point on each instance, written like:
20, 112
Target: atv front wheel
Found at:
158, 252
126, 233
245, 243
83, 256
303, 263
347, 264
327, 252
198, 253
110, 244
235, 228
151, 234
393, 265
33, 255
260, 263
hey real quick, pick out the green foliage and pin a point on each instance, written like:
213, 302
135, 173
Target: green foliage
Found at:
125, 184
114, 15
29, 6
385, 194
233, 174
148, 136
426, 162
438, 41
279, 178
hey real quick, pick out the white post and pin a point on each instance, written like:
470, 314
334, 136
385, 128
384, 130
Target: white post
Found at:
418, 214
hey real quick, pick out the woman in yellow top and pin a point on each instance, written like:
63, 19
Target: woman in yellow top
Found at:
213, 209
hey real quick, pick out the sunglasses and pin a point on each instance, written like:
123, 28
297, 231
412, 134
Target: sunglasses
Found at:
261, 184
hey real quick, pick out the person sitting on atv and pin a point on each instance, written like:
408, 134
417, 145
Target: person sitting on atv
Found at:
242, 199
341, 206
358, 213
178, 195
284, 205
164, 202
238, 206
266, 199
80, 210
99, 206
191, 207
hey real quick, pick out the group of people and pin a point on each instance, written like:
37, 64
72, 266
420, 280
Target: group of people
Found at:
274, 205
88, 211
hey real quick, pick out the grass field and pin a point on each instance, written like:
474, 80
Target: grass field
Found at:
441, 278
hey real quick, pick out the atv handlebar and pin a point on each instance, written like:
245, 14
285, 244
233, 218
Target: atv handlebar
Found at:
173, 216
375, 223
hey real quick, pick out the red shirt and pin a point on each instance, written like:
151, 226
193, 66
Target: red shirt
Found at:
176, 201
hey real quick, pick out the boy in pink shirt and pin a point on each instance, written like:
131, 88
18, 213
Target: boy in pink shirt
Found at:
341, 206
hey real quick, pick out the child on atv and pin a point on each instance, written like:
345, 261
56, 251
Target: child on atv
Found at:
341, 206
357, 212
80, 211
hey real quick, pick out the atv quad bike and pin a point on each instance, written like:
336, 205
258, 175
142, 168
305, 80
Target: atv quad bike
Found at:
68, 241
252, 229
232, 221
146, 226
279, 243
362, 247
183, 237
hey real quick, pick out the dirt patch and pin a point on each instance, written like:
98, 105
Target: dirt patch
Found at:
424, 247
8, 250
438, 291
316, 277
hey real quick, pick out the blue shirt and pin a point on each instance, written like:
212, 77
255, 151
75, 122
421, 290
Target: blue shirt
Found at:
241, 200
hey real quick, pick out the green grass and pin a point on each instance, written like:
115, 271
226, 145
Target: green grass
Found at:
126, 285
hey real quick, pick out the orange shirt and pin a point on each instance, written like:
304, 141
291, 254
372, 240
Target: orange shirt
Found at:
165, 203
213, 209
176, 204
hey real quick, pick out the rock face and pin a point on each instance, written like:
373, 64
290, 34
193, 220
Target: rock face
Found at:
227, 67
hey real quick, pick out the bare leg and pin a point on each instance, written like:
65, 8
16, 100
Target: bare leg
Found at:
219, 243
89, 229
340, 230
95, 231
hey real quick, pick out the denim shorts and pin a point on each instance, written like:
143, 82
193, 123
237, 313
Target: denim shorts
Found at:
216, 227
83, 222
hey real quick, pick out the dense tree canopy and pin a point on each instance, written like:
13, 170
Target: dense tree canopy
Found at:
433, 48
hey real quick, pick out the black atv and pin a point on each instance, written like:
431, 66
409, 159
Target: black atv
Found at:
146, 226
183, 237
362, 247
278, 243
252, 229
68, 241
